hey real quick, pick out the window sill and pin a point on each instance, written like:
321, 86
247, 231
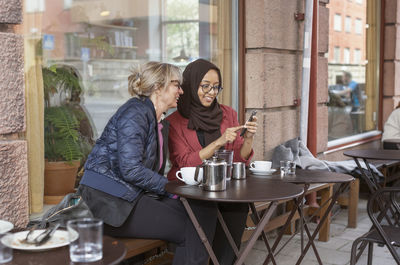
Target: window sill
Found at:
352, 141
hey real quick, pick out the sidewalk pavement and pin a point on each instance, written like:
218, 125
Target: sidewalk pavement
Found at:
334, 252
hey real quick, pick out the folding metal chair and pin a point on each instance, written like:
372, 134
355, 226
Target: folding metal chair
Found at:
385, 224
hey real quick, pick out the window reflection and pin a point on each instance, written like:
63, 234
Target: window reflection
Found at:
103, 39
353, 87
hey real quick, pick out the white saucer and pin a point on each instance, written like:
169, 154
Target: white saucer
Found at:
262, 172
5, 226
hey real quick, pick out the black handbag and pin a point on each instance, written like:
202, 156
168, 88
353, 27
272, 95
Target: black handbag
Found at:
71, 207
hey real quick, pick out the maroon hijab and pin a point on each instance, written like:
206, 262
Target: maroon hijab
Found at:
201, 118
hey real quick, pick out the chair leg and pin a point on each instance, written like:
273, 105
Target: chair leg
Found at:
353, 253
370, 252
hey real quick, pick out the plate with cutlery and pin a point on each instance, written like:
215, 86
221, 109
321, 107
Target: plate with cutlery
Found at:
39, 239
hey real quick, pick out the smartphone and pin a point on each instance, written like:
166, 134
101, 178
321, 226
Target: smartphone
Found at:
250, 119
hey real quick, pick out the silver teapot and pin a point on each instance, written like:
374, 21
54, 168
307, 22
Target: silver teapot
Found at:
214, 174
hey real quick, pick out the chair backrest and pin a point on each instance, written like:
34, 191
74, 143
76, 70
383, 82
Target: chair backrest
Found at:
387, 218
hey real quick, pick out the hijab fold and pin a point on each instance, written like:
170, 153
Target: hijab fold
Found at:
201, 118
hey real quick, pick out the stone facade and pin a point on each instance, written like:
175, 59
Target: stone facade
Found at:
14, 182
11, 11
13, 147
391, 65
12, 104
274, 46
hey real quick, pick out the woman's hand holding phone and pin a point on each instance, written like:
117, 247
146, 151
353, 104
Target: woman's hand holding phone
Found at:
250, 127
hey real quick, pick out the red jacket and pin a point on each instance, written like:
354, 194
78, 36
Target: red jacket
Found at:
184, 146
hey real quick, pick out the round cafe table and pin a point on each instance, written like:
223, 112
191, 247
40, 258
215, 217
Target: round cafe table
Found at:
249, 190
113, 253
366, 155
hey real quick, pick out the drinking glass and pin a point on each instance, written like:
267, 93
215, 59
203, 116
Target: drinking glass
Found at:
227, 155
6, 253
284, 167
239, 170
292, 168
88, 246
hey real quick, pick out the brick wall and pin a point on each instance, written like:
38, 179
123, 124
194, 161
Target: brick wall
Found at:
13, 147
274, 46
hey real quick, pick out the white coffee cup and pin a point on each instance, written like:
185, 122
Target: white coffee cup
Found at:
186, 174
261, 165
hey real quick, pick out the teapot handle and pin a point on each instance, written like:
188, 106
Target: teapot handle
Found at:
196, 173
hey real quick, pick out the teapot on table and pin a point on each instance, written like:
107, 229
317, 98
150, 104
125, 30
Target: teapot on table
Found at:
214, 174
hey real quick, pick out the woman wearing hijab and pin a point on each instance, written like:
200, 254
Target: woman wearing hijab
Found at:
202, 126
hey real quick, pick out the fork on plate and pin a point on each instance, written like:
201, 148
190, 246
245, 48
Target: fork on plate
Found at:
42, 237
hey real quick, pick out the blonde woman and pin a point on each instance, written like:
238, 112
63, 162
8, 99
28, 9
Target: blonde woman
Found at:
123, 182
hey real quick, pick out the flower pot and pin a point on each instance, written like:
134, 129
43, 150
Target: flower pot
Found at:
59, 180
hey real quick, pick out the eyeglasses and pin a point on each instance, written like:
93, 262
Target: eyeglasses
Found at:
206, 88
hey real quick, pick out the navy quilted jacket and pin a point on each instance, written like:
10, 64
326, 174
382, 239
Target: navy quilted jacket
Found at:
123, 161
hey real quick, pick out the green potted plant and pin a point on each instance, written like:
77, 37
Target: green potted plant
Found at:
67, 137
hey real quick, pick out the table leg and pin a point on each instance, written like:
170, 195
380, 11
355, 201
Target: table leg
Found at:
227, 233
342, 187
353, 203
296, 204
199, 230
310, 240
264, 236
326, 194
260, 227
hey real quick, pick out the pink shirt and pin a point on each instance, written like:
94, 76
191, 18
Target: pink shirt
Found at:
161, 142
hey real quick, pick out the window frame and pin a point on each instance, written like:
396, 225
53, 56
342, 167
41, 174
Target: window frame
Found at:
336, 51
337, 22
38, 6
358, 57
346, 55
347, 24
358, 28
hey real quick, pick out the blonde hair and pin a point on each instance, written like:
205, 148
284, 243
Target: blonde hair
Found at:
147, 78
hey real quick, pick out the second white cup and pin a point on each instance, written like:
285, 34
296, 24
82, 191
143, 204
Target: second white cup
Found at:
261, 165
186, 174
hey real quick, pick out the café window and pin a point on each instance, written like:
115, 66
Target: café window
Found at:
353, 86
101, 40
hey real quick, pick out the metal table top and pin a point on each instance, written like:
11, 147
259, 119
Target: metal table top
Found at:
250, 189
304, 176
377, 154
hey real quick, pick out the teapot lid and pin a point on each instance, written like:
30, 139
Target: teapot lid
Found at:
215, 161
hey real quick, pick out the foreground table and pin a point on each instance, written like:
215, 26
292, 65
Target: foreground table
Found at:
113, 253
306, 178
249, 191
